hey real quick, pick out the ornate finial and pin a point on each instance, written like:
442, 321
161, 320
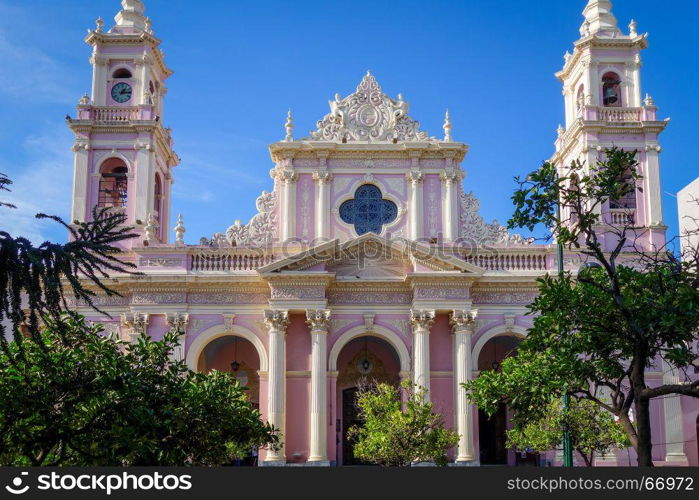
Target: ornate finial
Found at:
130, 18
632, 28
151, 228
368, 73
447, 127
100, 24
289, 126
179, 231
560, 130
84, 100
149, 25
599, 19
567, 56
648, 101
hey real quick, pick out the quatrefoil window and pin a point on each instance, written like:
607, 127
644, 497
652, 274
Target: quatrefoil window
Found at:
368, 211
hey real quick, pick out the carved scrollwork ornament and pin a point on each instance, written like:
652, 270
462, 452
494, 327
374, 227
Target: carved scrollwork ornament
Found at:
276, 320
463, 320
319, 320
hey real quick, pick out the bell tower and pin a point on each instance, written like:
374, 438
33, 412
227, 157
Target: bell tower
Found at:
604, 107
123, 154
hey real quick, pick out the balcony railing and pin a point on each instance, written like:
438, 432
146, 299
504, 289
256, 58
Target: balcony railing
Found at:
622, 216
619, 114
509, 261
228, 260
113, 114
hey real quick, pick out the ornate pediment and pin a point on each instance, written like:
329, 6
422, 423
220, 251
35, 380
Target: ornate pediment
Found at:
369, 115
370, 256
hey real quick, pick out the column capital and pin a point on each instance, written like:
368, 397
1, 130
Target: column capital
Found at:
284, 175
318, 319
422, 319
276, 319
414, 176
451, 175
177, 321
322, 176
463, 321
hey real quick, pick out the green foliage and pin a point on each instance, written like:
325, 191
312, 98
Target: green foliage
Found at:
592, 430
34, 280
396, 433
80, 398
604, 326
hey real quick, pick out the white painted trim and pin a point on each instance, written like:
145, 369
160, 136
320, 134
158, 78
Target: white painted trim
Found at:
376, 331
211, 334
110, 156
496, 331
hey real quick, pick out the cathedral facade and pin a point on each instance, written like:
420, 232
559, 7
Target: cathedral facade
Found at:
367, 258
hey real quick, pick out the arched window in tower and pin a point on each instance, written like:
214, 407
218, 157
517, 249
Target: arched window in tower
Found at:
368, 211
611, 90
158, 198
121, 73
113, 186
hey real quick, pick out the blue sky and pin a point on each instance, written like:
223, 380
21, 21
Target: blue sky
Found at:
240, 66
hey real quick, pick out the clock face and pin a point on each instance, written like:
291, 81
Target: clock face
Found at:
121, 92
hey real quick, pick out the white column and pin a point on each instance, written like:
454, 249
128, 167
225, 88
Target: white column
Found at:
80, 182
319, 321
651, 178
178, 322
145, 178
287, 178
422, 322
322, 178
277, 322
674, 432
463, 323
99, 79
415, 209
450, 178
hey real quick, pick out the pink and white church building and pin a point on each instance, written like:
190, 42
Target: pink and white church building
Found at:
367, 258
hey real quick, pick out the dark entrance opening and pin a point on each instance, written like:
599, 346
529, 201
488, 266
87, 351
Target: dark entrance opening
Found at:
491, 435
350, 417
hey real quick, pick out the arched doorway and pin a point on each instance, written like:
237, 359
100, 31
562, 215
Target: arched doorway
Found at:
238, 356
363, 360
492, 437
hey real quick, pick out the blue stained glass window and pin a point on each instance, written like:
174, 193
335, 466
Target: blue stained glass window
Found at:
368, 211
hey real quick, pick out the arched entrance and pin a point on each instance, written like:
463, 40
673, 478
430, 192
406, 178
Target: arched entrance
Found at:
491, 430
238, 356
365, 359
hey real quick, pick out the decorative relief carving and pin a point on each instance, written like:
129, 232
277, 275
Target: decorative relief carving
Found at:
441, 293
295, 292
227, 298
306, 208
160, 262
100, 300
369, 115
432, 208
402, 325
260, 229
340, 184
475, 230
396, 184
366, 297
148, 298
357, 297
338, 324
197, 325
503, 297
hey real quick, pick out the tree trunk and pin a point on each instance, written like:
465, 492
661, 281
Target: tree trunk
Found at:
645, 445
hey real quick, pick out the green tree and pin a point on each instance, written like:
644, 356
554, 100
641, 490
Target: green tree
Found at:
396, 433
601, 328
81, 398
34, 279
592, 430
